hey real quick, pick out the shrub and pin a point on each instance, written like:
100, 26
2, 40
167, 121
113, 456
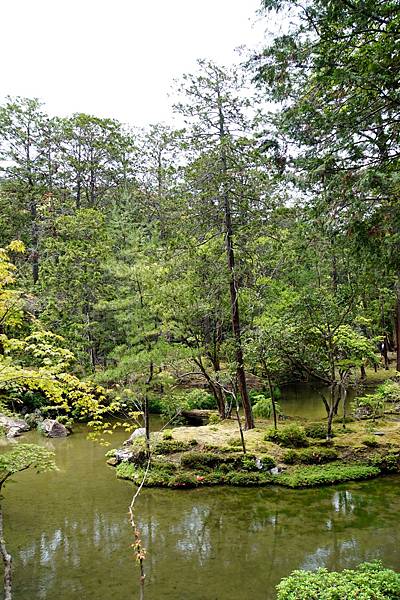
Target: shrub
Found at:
389, 390
267, 462
316, 431
167, 435
388, 463
310, 456
290, 436
263, 407
312, 476
368, 581
201, 399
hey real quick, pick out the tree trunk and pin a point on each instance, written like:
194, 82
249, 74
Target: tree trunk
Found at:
233, 284
398, 325
7, 561
333, 407
271, 391
146, 414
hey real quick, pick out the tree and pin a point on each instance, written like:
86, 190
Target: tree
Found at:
20, 458
217, 111
334, 73
23, 154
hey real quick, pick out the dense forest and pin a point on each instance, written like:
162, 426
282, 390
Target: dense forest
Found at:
247, 242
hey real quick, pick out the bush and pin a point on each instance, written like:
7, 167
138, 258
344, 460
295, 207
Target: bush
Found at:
316, 431
312, 476
389, 390
263, 407
310, 456
174, 404
369, 581
290, 436
201, 399
167, 435
388, 463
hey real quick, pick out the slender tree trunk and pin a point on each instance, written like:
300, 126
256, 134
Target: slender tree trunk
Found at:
398, 325
7, 561
271, 391
146, 413
333, 407
233, 284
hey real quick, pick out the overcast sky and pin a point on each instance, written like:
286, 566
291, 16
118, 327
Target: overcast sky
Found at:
116, 58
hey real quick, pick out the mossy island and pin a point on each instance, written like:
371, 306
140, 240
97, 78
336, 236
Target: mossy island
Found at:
296, 455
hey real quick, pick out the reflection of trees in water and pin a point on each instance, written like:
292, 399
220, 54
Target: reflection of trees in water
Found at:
221, 535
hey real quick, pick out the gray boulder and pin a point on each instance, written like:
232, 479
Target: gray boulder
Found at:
138, 433
123, 455
54, 429
13, 427
363, 412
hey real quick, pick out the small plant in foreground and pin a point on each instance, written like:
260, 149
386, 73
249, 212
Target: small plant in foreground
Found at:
368, 580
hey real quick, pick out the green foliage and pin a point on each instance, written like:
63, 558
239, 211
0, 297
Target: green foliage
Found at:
167, 434
310, 456
25, 456
389, 391
312, 476
389, 462
369, 580
263, 407
317, 431
373, 403
290, 436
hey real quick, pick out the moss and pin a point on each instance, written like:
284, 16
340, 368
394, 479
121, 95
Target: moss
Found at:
312, 476
183, 480
247, 479
370, 441
310, 456
316, 431
172, 446
290, 436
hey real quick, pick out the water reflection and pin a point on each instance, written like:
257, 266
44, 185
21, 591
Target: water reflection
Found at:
70, 536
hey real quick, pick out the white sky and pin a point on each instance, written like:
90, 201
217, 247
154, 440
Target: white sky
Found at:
116, 58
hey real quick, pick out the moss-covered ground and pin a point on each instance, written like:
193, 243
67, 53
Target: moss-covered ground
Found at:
299, 456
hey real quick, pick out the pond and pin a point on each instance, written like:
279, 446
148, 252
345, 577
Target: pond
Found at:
68, 532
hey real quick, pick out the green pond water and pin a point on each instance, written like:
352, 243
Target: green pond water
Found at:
69, 534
